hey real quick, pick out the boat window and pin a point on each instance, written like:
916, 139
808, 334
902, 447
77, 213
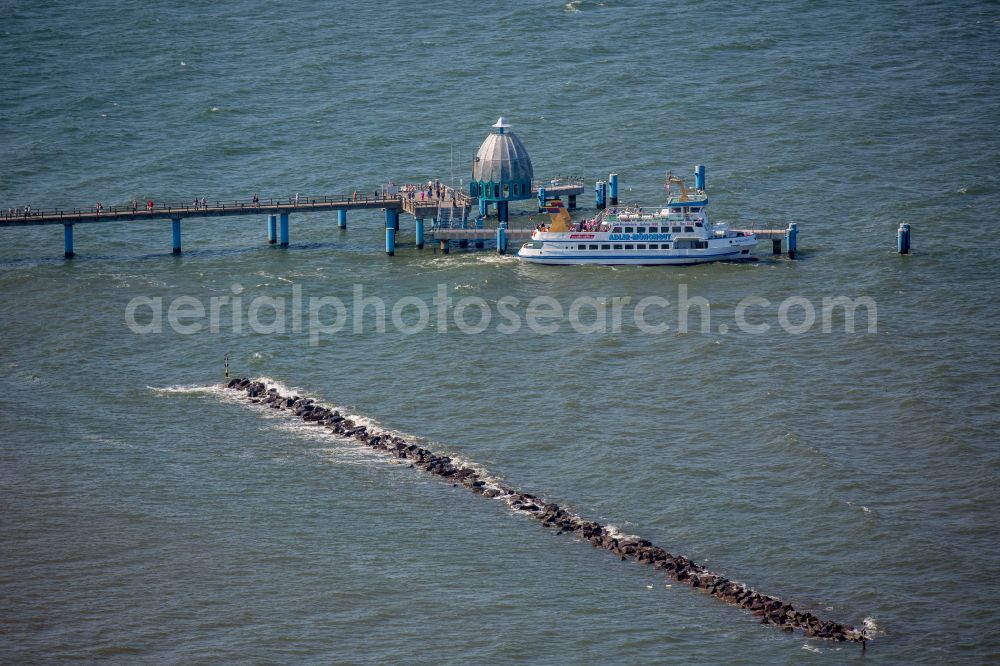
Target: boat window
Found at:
677, 230
695, 209
640, 246
593, 247
689, 230
653, 230
640, 230
581, 247
628, 230
701, 245
616, 230
605, 247
654, 246
618, 247
697, 224
629, 247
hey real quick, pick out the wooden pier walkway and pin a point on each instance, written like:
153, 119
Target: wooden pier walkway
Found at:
297, 204
171, 211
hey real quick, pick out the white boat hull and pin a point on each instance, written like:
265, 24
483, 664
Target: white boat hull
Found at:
664, 258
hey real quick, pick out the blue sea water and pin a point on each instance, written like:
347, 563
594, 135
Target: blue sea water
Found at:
147, 516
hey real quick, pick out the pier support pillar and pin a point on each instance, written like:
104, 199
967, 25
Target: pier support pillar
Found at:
502, 238
541, 199
420, 233
342, 219
791, 238
284, 230
572, 201
503, 212
484, 208
601, 189
391, 224
613, 187
775, 246
68, 241
444, 246
699, 177
272, 229
176, 223
903, 238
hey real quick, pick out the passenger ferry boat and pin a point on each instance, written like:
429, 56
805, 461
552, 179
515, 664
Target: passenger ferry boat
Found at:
677, 233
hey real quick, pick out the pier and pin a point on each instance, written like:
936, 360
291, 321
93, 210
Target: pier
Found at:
277, 213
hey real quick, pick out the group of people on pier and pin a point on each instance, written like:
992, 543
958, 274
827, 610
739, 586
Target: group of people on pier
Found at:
435, 190
17, 211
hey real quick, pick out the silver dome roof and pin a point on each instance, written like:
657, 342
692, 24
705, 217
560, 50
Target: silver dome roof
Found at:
502, 158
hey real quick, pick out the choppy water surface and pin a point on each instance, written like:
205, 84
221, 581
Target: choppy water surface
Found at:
146, 516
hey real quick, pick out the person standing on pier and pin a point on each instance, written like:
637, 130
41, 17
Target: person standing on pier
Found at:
256, 201
135, 205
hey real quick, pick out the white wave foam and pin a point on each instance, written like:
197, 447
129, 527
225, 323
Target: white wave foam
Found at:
282, 388
345, 455
615, 533
206, 389
863, 508
496, 259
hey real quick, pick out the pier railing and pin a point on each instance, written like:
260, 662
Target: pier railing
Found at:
187, 207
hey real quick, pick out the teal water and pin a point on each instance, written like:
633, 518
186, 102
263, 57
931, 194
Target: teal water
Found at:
148, 517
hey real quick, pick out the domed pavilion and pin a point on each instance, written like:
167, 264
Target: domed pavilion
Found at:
501, 170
